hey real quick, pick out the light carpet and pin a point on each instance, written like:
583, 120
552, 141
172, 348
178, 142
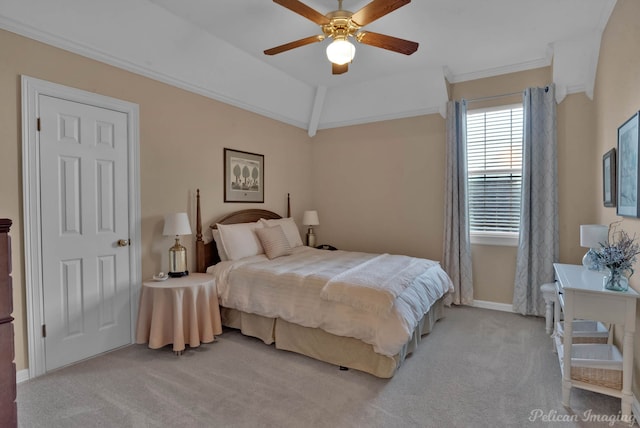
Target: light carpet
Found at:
478, 368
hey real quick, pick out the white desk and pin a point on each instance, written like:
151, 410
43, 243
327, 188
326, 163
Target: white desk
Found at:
179, 310
582, 296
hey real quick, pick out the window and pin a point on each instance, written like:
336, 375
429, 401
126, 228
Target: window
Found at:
494, 152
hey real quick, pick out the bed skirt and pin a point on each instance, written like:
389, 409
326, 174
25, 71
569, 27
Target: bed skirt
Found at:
317, 343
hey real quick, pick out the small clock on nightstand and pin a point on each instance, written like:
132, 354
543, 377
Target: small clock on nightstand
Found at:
326, 247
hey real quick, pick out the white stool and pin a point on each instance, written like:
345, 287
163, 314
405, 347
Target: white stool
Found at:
549, 295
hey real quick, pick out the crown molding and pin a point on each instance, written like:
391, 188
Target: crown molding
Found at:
95, 54
98, 55
606, 14
318, 104
491, 72
379, 118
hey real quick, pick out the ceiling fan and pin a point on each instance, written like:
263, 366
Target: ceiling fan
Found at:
341, 25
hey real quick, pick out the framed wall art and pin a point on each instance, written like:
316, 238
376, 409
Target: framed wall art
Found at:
243, 176
627, 185
609, 178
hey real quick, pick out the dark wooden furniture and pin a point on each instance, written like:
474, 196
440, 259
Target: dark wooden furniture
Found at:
8, 411
207, 254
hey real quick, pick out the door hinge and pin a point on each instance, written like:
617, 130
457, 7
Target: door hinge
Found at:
44, 330
38, 124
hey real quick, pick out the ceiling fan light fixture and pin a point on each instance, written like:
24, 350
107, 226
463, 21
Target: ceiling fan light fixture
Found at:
341, 51
340, 25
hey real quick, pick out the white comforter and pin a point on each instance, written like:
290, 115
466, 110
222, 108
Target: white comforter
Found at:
293, 288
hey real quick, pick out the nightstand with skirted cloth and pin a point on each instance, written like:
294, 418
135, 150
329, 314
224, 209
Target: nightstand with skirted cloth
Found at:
179, 311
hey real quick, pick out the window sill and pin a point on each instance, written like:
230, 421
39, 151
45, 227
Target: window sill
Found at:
496, 239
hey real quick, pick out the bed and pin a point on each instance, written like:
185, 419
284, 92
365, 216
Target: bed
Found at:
306, 301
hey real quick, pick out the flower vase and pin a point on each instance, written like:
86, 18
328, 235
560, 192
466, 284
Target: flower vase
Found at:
616, 280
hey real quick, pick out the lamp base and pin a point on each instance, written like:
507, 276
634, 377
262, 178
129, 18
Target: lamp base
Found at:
178, 260
587, 260
311, 238
178, 274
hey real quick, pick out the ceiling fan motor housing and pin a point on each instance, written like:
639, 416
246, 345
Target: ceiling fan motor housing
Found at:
340, 25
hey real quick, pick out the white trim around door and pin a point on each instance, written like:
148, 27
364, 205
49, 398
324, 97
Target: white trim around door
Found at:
32, 88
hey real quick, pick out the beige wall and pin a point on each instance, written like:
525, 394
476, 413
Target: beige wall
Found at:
617, 98
379, 187
182, 136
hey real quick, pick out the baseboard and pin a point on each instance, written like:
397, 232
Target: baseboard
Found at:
484, 304
22, 375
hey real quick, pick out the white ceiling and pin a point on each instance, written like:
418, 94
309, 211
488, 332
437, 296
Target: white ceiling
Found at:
215, 48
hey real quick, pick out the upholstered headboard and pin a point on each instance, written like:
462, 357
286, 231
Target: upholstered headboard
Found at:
207, 253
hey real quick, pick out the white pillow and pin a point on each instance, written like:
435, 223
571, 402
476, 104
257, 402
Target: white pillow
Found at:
239, 240
289, 227
274, 241
221, 252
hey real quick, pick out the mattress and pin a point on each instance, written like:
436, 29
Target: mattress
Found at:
292, 289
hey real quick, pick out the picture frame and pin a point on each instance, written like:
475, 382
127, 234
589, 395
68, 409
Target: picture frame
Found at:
243, 176
628, 182
609, 178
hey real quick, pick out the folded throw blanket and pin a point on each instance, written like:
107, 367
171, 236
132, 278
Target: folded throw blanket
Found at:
375, 284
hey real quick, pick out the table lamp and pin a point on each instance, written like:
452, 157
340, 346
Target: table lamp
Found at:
175, 225
591, 236
310, 218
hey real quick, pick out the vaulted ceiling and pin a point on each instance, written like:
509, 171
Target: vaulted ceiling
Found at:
215, 48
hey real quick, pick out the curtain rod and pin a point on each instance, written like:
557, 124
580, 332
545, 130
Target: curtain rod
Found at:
546, 89
493, 97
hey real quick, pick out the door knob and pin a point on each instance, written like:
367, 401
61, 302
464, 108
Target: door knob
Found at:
123, 242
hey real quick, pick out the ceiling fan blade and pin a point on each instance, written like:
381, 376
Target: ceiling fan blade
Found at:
294, 44
376, 9
339, 69
304, 10
387, 42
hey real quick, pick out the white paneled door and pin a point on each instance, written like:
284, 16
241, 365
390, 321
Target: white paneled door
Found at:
85, 226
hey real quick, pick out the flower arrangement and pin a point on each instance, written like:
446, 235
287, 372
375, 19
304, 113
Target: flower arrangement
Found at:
617, 255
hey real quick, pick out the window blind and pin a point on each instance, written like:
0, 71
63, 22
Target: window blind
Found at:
494, 156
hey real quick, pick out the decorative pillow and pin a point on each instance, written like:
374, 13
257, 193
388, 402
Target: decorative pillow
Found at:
239, 240
274, 241
221, 252
289, 227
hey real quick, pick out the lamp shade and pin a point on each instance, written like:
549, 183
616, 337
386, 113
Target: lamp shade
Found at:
592, 235
341, 51
176, 224
310, 218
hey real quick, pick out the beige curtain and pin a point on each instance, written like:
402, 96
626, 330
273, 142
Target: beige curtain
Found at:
539, 245
457, 245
